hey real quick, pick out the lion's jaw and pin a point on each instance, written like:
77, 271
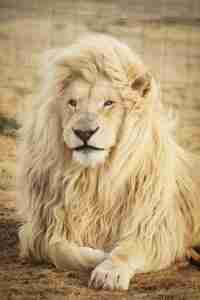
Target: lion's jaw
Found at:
90, 127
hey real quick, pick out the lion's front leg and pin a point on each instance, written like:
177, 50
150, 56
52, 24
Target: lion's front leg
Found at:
64, 254
116, 271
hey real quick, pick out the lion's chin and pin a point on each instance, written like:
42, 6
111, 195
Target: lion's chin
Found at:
90, 158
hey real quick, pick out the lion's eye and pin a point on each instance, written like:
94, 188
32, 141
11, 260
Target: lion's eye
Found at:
108, 103
72, 103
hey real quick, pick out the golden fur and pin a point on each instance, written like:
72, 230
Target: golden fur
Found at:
134, 209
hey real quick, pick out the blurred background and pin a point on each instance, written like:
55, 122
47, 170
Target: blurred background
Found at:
165, 33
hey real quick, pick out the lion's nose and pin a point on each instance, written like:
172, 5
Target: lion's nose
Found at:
84, 135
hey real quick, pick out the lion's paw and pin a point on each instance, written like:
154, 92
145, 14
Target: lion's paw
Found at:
110, 276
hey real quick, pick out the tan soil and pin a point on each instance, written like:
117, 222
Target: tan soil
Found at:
7, 149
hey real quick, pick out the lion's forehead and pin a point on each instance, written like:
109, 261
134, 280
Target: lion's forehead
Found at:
78, 87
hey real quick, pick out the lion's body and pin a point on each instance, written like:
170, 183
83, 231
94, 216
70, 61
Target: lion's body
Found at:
138, 201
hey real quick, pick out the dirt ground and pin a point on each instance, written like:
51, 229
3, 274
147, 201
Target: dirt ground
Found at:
20, 280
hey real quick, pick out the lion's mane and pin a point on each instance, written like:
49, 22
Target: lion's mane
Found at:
146, 189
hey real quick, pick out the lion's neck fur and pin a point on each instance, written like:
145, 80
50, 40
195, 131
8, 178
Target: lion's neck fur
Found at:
93, 209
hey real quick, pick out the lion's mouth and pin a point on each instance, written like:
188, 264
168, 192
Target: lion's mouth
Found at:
87, 148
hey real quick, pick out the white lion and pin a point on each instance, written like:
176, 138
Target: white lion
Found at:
102, 184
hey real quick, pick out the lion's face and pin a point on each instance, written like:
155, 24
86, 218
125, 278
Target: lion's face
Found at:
91, 118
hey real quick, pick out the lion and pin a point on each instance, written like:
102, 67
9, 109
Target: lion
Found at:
102, 184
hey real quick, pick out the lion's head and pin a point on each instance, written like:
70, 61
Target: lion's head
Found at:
97, 81
92, 114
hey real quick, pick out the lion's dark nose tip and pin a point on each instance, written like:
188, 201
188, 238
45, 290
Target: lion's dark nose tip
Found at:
84, 135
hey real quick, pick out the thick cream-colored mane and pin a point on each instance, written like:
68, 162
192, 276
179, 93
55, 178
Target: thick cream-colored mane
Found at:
146, 190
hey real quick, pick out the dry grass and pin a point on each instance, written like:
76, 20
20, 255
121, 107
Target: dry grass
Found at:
7, 162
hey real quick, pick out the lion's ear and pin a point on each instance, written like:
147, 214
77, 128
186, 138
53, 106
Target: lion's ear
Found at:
142, 84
